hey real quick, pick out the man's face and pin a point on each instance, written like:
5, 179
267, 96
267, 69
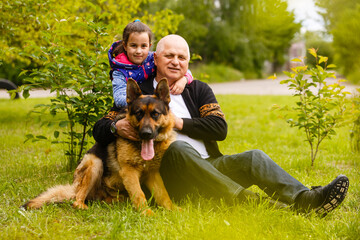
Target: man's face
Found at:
173, 61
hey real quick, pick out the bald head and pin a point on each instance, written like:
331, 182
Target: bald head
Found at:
171, 58
175, 40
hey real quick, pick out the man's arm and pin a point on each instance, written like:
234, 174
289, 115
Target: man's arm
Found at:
207, 128
210, 123
101, 131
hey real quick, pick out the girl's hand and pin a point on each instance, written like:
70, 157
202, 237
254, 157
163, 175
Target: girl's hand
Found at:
179, 123
178, 87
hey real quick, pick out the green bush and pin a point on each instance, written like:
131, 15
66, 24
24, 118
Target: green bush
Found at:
215, 73
354, 76
80, 80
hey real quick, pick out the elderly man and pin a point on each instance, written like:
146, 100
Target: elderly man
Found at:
195, 162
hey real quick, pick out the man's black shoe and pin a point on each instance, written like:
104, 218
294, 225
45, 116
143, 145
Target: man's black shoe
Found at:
323, 200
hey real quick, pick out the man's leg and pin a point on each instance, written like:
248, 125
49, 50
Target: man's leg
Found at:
183, 169
256, 168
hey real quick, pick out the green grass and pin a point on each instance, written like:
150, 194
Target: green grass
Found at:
29, 168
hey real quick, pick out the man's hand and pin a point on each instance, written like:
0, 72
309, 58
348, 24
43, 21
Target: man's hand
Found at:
125, 130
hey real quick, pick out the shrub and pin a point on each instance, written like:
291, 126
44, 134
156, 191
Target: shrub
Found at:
80, 80
321, 107
215, 73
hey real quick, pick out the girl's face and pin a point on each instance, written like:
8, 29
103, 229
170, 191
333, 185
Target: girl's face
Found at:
137, 47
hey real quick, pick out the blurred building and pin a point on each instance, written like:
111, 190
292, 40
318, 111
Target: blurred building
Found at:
296, 50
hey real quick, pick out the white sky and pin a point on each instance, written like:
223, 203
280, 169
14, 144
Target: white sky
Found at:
306, 11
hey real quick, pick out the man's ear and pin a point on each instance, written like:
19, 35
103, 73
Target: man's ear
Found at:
162, 91
155, 59
133, 91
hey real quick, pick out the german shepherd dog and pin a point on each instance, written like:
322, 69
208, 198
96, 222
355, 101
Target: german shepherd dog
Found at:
128, 163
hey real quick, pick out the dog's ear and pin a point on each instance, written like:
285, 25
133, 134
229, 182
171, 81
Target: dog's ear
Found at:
133, 91
162, 91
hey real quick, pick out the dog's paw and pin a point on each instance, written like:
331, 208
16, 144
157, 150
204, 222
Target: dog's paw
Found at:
80, 205
118, 198
148, 212
176, 208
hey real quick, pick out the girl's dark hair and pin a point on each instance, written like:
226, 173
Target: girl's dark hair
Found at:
132, 27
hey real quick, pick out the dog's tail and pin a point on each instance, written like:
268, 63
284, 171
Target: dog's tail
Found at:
55, 194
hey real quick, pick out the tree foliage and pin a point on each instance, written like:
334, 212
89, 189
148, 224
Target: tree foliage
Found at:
342, 19
23, 21
242, 34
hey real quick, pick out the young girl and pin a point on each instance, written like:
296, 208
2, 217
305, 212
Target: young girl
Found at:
131, 58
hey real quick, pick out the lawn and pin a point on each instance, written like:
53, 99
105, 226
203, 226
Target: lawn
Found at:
31, 167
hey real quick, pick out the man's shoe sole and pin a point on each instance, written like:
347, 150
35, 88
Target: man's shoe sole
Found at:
335, 196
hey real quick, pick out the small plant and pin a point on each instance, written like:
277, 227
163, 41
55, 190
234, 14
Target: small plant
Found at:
81, 82
321, 107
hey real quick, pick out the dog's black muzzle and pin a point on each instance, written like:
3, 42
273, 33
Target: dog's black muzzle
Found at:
147, 133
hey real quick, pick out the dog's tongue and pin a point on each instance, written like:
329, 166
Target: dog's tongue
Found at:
147, 149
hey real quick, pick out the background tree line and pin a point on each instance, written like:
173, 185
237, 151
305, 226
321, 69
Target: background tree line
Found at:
241, 34
28, 24
238, 33
342, 22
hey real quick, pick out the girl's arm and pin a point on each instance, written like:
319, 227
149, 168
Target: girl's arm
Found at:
119, 89
178, 87
189, 76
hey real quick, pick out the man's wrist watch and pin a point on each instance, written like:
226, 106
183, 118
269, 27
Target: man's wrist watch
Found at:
113, 128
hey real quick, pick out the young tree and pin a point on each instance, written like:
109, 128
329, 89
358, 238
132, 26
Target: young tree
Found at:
321, 107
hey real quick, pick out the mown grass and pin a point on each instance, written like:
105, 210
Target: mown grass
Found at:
29, 168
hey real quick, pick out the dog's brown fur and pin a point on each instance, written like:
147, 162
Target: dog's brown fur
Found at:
151, 117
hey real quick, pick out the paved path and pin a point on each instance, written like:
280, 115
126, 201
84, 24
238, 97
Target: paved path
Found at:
251, 87
262, 87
